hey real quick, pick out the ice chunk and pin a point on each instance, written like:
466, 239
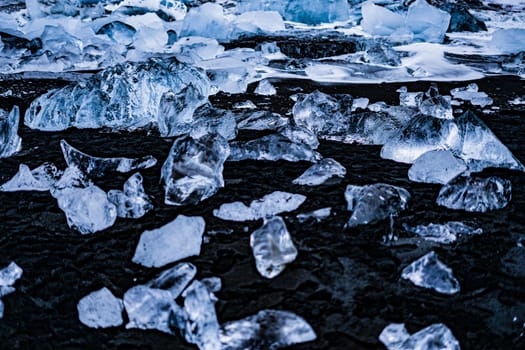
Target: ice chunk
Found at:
375, 202
119, 32
100, 309
261, 120
209, 120
436, 105
475, 194
258, 21
10, 142
174, 279
410, 99
207, 20
320, 172
317, 11
149, 308
193, 170
428, 23
359, 103
272, 204
299, 134
511, 40
378, 20
394, 335
272, 147
381, 53
133, 202
429, 272
443, 233
174, 241
433, 337
265, 88
245, 105
197, 320
471, 93
268, 329
124, 97
318, 215
425, 170
272, 247
10, 274
41, 178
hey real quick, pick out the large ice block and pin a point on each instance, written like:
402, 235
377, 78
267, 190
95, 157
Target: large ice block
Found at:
425, 170
378, 20
433, 337
10, 142
41, 178
100, 309
471, 93
320, 172
261, 120
133, 202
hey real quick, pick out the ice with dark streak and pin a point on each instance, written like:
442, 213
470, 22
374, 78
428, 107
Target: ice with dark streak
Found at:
193, 169
8, 276
321, 172
443, 233
174, 279
436, 105
41, 178
429, 272
372, 203
425, 170
268, 329
475, 194
100, 309
272, 247
434, 337
132, 202
177, 240
123, 97
10, 142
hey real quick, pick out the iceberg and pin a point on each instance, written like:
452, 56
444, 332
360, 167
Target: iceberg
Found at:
320, 172
100, 309
425, 170
380, 21
41, 178
175, 279
461, 20
193, 170
174, 241
375, 202
433, 337
270, 205
429, 272
475, 194
10, 142
394, 335
443, 233
257, 22
133, 202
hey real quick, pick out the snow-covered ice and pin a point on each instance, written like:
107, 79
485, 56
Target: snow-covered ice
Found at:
443, 233
425, 170
174, 279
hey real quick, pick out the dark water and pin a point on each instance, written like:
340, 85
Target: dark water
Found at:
345, 283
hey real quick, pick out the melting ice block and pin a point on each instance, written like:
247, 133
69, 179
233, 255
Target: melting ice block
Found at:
272, 204
208, 120
299, 134
41, 178
320, 172
174, 241
428, 23
133, 202
96, 167
429, 272
10, 142
268, 329
272, 247
439, 166
208, 21
119, 32
174, 279
375, 202
433, 337
443, 233
100, 309
437, 106
193, 170
475, 194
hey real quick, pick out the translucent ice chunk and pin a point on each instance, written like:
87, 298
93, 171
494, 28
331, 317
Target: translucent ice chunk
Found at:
173, 8
10, 274
375, 202
428, 23
96, 167
320, 172
409, 99
133, 202
119, 32
193, 170
265, 88
433, 337
100, 309
378, 20
318, 215
207, 20
425, 170
149, 308
475, 194
299, 134
174, 279
443, 233
269, 205
272, 247
174, 241
429, 272
268, 329
394, 335
461, 20
437, 106
41, 178
511, 40
261, 120
471, 93
10, 142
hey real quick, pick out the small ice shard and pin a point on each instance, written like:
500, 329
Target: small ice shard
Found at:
433, 337
167, 9
428, 23
174, 241
10, 142
208, 21
380, 53
475, 194
317, 215
272, 147
471, 93
436, 105
96, 167
268, 329
299, 134
10, 274
197, 319
133, 202
261, 120
439, 166
429, 272
272, 247
41, 178
378, 20
443, 233
320, 172
510, 40
375, 202
174, 279
272, 204
193, 170
265, 88
149, 308
100, 309
119, 32
410, 99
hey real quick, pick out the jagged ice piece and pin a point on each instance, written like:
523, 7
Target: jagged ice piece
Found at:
320, 172
100, 309
41, 178
133, 202
439, 166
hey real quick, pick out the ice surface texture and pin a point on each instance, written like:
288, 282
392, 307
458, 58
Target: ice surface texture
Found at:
100, 309
434, 337
133, 202
124, 97
320, 172
10, 142
41, 178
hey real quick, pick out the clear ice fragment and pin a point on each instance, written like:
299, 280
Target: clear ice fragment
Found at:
410, 99
429, 272
10, 142
208, 120
437, 106
378, 20
320, 172
425, 170
174, 241
41, 178
317, 215
100, 309
443, 233
394, 335
133, 202
261, 120
433, 337
265, 88
119, 32
471, 93
10, 274
174, 279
